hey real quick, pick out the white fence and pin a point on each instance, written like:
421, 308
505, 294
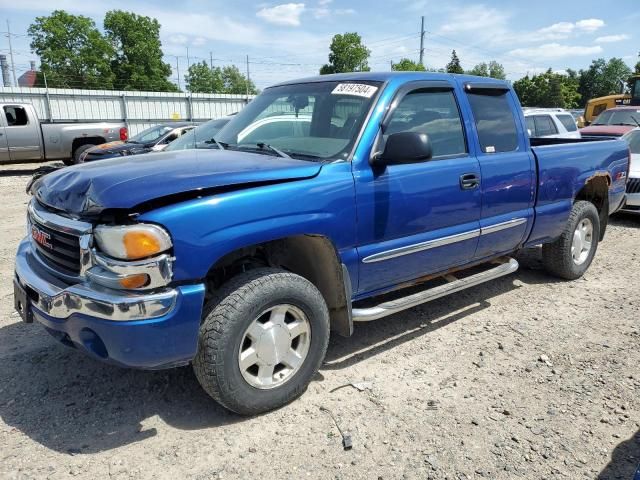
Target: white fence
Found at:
138, 110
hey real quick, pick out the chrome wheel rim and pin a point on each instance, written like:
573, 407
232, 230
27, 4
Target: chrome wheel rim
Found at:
274, 346
582, 241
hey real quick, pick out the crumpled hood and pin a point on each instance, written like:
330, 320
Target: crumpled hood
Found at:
123, 183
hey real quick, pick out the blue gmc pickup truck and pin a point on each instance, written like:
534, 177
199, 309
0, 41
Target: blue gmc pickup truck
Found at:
325, 200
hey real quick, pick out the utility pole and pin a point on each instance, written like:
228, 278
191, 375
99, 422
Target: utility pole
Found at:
13, 64
211, 68
391, 61
178, 71
248, 79
188, 60
422, 40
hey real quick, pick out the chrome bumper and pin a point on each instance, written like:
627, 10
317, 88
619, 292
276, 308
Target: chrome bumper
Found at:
632, 200
57, 299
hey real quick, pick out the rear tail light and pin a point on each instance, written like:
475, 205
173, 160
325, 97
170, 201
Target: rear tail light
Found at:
124, 134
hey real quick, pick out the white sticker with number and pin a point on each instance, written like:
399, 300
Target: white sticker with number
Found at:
357, 89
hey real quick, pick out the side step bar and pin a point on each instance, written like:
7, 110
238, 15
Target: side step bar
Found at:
455, 285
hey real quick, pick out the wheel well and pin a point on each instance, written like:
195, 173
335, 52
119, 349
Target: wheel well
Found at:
310, 256
596, 191
78, 142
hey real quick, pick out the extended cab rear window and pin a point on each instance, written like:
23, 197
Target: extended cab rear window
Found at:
495, 122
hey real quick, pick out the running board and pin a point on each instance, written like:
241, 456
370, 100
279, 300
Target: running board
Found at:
454, 285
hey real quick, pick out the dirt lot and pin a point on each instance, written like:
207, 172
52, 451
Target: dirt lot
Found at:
525, 377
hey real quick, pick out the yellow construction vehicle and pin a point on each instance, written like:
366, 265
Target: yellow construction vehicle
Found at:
596, 106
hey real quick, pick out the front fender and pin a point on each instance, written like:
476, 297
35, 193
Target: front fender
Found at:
204, 230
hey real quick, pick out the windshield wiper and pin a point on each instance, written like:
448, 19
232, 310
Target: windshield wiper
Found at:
266, 146
259, 147
635, 120
221, 145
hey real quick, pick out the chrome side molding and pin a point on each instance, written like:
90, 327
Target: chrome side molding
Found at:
454, 285
419, 247
440, 242
502, 226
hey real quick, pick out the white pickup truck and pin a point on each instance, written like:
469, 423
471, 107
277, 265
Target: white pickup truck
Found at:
23, 138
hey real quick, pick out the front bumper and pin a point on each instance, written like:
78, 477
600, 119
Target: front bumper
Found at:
632, 200
135, 329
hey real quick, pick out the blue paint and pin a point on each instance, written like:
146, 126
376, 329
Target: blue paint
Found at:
362, 211
150, 344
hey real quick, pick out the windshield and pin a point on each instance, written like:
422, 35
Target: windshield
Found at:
633, 139
619, 117
315, 121
150, 135
200, 137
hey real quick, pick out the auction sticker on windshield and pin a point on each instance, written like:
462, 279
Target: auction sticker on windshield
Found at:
357, 89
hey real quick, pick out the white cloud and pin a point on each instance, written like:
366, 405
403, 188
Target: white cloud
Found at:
479, 18
178, 39
613, 38
563, 30
554, 50
590, 24
557, 30
198, 41
287, 14
323, 10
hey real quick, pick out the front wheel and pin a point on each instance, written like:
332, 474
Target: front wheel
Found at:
262, 339
570, 256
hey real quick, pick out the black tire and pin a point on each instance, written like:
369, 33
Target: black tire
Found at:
557, 257
76, 154
227, 317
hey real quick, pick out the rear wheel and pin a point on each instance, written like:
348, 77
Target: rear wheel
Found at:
262, 339
77, 154
571, 255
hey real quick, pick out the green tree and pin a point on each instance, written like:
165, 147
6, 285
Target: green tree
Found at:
200, 78
555, 98
347, 54
549, 89
73, 53
454, 65
406, 65
493, 69
138, 63
603, 78
233, 81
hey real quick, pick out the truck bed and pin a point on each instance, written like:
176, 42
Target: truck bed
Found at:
564, 166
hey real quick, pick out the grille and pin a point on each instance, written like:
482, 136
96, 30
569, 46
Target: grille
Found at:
633, 185
61, 250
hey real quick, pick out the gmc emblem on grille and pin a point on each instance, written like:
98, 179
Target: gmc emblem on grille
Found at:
41, 237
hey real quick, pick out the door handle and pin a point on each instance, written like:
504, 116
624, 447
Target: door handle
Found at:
469, 181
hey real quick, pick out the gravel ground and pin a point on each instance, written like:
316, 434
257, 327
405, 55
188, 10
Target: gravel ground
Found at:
523, 377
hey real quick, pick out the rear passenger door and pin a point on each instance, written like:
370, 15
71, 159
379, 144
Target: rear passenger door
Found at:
506, 166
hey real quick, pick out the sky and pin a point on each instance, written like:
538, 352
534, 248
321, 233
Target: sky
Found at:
291, 40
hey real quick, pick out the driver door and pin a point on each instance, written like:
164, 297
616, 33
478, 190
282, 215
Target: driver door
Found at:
420, 218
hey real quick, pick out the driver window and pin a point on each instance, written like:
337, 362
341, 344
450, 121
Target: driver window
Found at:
435, 113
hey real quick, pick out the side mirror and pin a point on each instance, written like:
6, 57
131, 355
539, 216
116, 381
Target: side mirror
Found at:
404, 147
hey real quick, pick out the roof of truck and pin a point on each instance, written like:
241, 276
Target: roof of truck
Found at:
386, 76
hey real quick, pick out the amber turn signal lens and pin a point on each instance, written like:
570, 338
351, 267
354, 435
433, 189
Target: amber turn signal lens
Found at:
140, 244
134, 281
